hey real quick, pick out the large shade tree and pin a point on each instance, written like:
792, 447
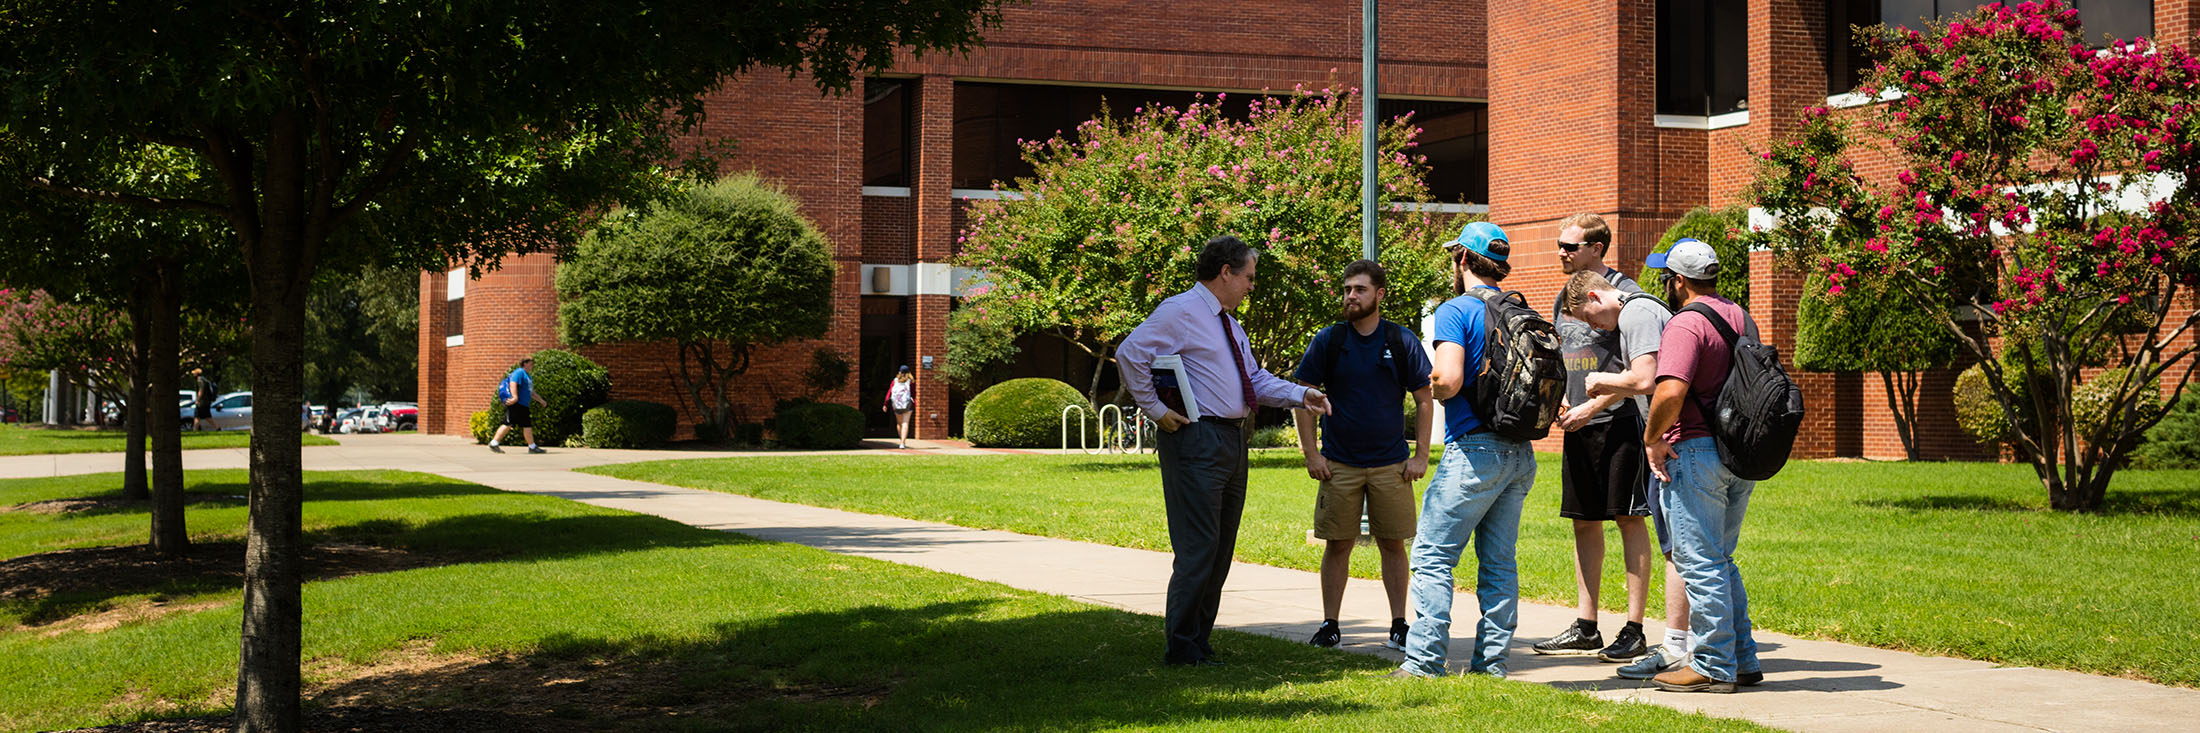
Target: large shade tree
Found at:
720, 272
2038, 192
1111, 220
412, 133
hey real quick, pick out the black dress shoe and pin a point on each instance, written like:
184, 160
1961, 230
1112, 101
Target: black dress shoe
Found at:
1749, 679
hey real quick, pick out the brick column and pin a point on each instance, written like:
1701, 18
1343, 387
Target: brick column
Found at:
934, 204
434, 318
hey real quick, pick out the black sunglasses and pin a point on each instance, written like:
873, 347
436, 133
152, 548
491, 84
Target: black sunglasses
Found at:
1571, 247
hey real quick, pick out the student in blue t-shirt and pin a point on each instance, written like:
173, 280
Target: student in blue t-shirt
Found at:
1367, 365
1479, 485
518, 393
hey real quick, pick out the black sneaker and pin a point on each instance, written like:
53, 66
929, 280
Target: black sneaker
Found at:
1627, 645
1326, 636
536, 450
1397, 639
1571, 642
494, 448
1750, 679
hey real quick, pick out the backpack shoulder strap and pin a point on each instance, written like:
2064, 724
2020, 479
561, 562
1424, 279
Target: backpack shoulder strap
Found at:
1635, 296
1394, 338
1332, 350
1725, 331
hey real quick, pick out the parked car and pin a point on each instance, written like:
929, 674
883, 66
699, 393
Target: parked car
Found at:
364, 420
233, 411
403, 415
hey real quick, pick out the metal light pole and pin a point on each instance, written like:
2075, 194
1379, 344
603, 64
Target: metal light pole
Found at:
1368, 120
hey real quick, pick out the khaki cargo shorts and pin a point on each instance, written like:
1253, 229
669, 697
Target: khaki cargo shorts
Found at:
1382, 490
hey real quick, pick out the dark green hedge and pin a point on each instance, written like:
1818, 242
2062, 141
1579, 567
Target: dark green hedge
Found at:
2175, 441
569, 383
1022, 413
1723, 229
628, 424
818, 425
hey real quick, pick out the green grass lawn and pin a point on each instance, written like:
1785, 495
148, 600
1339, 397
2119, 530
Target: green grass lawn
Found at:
1942, 558
618, 620
22, 441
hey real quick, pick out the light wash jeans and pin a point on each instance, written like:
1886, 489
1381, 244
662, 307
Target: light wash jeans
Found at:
1478, 489
1705, 504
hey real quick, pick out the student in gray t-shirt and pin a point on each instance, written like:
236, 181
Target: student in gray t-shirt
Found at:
1604, 476
1639, 321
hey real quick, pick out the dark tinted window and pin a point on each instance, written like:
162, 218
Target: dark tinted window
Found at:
1703, 57
887, 131
1847, 60
1455, 140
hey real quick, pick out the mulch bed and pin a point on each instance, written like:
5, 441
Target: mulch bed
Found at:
136, 568
73, 506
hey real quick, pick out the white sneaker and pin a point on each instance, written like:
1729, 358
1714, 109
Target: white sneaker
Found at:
1651, 665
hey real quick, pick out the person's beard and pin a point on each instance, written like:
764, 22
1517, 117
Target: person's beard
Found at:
1351, 314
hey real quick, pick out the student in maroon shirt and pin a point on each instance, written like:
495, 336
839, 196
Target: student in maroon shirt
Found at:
1703, 501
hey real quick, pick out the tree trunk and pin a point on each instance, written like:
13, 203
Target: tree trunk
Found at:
1902, 401
163, 423
1099, 364
281, 266
140, 405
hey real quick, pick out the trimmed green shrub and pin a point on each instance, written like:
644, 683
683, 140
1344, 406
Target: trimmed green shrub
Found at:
2175, 441
712, 434
1980, 415
1276, 436
570, 384
483, 425
748, 433
1023, 413
628, 424
1726, 231
818, 425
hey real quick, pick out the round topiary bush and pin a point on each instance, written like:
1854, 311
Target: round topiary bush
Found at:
628, 424
570, 384
1723, 229
1023, 413
818, 425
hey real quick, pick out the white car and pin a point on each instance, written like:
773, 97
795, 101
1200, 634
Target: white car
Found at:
366, 420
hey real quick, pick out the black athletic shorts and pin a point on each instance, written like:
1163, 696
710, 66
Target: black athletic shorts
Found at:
518, 417
1604, 473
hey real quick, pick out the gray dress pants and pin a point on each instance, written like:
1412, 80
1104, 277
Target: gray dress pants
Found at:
1203, 484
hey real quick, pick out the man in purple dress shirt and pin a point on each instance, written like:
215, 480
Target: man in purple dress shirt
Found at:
1203, 461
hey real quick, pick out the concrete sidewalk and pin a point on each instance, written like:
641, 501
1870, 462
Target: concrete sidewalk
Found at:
1809, 685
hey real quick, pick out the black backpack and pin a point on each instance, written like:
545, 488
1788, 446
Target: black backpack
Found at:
1394, 339
1756, 416
1523, 377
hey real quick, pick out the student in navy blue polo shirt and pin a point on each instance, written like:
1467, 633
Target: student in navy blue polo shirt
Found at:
1367, 365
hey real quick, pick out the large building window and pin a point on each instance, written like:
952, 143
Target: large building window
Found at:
1703, 57
888, 131
1847, 59
991, 118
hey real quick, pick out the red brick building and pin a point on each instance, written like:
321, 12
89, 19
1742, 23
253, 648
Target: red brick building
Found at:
1635, 110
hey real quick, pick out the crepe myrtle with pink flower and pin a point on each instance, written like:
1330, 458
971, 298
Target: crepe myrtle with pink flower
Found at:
2037, 209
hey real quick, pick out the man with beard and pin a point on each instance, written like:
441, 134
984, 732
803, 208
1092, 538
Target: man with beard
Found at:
1367, 365
1603, 476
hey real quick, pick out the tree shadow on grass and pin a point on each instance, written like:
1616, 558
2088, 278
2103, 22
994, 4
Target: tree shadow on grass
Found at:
951, 665
2170, 502
52, 587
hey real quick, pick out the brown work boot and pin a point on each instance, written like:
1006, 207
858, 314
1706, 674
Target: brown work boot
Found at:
1687, 679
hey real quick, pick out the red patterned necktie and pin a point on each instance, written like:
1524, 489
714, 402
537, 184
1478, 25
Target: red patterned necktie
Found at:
1245, 381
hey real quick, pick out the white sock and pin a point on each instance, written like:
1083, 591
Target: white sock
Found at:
1679, 642
492, 442
530, 446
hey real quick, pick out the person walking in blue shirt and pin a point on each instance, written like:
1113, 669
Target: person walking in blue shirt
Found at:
518, 392
1368, 365
1479, 485
1203, 466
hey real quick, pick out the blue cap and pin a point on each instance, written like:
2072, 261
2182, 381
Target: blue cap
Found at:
1476, 237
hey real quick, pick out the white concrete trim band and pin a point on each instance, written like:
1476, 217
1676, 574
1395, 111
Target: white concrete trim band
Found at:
1700, 122
455, 284
887, 191
923, 278
456, 339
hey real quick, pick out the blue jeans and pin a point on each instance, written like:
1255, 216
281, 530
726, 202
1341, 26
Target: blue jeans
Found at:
1705, 504
1478, 489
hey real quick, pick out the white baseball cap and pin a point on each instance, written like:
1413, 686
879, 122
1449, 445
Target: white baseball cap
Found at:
1689, 258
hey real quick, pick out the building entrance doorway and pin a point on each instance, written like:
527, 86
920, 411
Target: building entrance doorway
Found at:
886, 346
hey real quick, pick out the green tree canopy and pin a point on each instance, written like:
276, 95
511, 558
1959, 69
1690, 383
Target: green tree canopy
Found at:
414, 133
721, 271
1110, 223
